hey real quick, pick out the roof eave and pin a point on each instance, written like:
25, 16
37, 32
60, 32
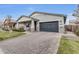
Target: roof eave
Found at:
48, 14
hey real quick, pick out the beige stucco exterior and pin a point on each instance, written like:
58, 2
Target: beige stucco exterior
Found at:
47, 18
41, 17
23, 21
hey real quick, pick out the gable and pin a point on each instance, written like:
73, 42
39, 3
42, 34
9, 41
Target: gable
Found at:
23, 19
42, 16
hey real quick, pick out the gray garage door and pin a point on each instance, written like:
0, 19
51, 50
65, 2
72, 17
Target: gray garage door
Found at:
49, 26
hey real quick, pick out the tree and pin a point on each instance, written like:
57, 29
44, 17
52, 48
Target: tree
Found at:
76, 12
7, 23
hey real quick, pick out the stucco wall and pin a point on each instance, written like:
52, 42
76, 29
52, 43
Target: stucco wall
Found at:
24, 19
47, 18
19, 25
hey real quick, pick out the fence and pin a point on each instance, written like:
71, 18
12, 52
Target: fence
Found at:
72, 27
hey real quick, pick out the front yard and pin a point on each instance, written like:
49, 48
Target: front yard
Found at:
68, 46
6, 35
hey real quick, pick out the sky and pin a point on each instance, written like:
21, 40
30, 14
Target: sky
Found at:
16, 10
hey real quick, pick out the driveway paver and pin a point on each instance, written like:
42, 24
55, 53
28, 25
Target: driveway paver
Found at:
34, 43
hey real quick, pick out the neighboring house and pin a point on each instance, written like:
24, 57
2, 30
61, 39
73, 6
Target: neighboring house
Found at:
41, 21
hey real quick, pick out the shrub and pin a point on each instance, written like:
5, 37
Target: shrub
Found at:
5, 29
76, 32
14, 29
19, 30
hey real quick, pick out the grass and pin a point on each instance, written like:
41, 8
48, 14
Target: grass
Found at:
6, 35
68, 46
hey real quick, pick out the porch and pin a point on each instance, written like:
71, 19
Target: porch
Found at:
29, 25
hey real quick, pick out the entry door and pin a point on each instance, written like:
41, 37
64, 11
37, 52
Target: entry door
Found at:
49, 26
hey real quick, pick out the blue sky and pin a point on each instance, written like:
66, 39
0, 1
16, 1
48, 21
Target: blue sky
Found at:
16, 10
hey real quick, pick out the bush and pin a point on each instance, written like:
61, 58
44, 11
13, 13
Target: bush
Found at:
5, 29
77, 32
19, 30
14, 29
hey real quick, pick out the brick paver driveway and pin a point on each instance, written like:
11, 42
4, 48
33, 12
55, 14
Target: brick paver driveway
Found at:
35, 43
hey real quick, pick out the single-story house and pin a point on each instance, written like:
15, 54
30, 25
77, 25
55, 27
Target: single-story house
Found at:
42, 21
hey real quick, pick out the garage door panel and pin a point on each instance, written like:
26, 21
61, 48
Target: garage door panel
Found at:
49, 26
